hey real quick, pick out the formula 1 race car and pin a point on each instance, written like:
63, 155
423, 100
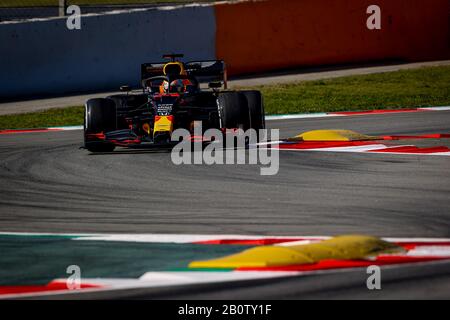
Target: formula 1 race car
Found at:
171, 98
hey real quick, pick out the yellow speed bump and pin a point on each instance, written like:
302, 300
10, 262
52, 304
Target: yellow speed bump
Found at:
339, 248
332, 135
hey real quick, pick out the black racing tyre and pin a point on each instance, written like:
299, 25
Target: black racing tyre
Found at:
100, 116
233, 110
255, 103
120, 101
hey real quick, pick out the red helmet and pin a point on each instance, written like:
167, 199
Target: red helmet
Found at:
177, 86
181, 85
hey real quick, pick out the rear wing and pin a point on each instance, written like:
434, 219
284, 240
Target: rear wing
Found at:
149, 70
214, 70
203, 71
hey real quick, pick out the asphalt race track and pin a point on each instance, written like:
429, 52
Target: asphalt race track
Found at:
50, 185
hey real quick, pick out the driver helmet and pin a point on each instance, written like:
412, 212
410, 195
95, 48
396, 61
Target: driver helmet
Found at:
178, 86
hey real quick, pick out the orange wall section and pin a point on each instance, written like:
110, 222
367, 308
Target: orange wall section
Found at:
258, 36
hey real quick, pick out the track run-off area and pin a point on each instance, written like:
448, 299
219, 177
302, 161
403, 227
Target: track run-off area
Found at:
51, 186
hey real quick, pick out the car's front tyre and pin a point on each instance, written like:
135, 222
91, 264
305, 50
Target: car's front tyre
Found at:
99, 117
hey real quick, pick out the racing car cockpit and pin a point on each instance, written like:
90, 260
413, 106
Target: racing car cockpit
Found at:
175, 79
181, 84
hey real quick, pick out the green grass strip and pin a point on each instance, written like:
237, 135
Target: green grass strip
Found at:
429, 86
43, 119
401, 89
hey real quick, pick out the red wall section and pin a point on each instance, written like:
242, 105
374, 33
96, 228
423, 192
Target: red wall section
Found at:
273, 34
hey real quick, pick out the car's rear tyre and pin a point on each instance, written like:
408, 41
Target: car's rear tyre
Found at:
100, 117
255, 103
233, 110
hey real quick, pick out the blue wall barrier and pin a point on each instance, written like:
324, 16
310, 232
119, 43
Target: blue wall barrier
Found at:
45, 57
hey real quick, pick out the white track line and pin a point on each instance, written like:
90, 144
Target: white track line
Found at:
445, 108
329, 114
370, 149
358, 149
191, 238
67, 128
301, 116
155, 238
